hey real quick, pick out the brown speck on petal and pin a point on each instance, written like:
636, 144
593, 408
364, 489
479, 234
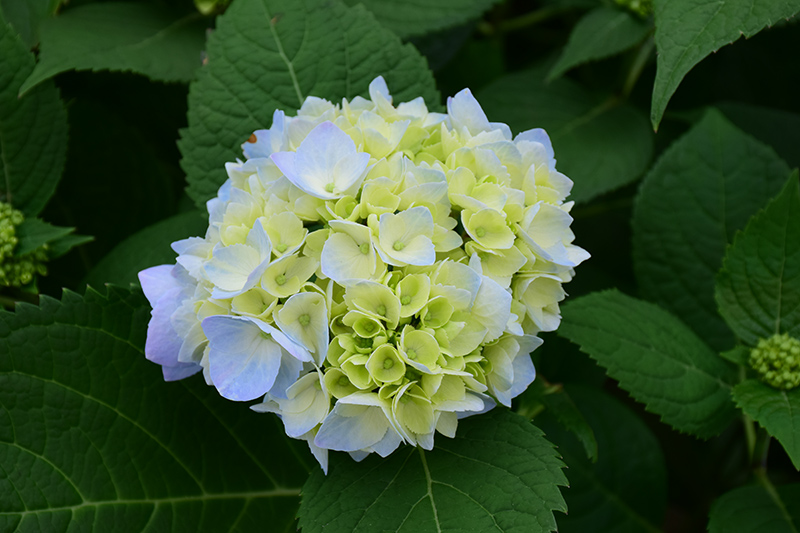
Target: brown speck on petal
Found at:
252, 138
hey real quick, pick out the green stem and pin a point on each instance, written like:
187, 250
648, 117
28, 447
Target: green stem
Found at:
529, 19
639, 62
759, 462
749, 424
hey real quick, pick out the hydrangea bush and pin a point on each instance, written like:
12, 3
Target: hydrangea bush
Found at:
373, 273
318, 252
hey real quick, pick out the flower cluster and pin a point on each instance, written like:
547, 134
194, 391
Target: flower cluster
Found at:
16, 271
777, 361
372, 273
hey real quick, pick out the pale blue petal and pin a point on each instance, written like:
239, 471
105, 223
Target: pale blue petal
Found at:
349, 428
243, 364
182, 370
524, 374
155, 281
287, 376
163, 344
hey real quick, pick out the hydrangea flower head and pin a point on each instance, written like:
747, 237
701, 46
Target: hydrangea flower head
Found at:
371, 273
777, 361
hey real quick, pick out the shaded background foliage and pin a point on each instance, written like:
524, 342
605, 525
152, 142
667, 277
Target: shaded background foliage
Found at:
657, 211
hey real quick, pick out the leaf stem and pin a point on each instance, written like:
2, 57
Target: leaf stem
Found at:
637, 67
759, 462
749, 424
528, 19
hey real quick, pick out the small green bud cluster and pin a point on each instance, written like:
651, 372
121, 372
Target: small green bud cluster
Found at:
10, 218
17, 271
777, 361
643, 8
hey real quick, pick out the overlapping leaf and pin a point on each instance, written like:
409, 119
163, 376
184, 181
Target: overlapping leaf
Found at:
560, 407
602, 32
776, 410
622, 491
689, 30
655, 357
92, 439
498, 474
752, 510
271, 54
33, 130
758, 288
688, 209
148, 247
26, 15
599, 143
408, 18
121, 36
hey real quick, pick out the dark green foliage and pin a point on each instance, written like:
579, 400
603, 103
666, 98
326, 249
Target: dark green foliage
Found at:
92, 438
498, 474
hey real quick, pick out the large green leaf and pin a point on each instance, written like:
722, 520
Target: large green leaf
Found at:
602, 32
776, 410
688, 209
121, 36
271, 54
498, 474
26, 15
656, 358
752, 510
758, 288
416, 17
33, 130
146, 248
599, 143
689, 30
92, 439
622, 492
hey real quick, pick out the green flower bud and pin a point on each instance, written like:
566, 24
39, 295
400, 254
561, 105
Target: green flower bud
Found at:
643, 8
777, 361
17, 271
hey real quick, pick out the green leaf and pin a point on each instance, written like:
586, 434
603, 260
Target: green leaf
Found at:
758, 288
92, 439
26, 15
34, 232
776, 410
149, 247
600, 144
498, 474
656, 358
64, 244
740, 355
408, 18
120, 36
33, 131
621, 492
560, 406
777, 128
687, 211
689, 30
752, 510
271, 54
602, 32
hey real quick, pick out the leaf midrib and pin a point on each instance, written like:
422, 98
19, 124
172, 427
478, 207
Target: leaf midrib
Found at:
280, 492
